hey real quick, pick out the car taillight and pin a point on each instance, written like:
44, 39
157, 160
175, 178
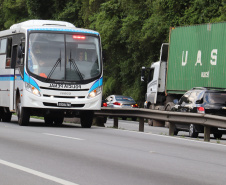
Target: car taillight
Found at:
105, 104
135, 105
117, 103
200, 110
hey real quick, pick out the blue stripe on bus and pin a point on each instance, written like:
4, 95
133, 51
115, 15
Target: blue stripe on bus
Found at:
60, 29
96, 84
31, 81
9, 77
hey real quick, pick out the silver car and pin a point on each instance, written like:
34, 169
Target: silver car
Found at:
119, 101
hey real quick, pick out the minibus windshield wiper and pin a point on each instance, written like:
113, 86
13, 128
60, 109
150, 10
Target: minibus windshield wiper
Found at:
72, 61
54, 67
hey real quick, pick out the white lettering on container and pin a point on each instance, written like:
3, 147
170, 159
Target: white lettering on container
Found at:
205, 74
213, 60
199, 56
184, 62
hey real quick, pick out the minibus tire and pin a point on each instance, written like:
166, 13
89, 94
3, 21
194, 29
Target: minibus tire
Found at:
23, 115
58, 121
87, 119
7, 117
48, 120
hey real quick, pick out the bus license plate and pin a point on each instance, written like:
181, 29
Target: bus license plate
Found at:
64, 104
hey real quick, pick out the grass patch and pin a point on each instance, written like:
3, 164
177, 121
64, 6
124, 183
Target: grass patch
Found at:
37, 117
218, 141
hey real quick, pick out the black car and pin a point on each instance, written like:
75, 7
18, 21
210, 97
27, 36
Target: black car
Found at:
201, 100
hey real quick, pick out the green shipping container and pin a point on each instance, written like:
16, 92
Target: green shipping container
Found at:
197, 57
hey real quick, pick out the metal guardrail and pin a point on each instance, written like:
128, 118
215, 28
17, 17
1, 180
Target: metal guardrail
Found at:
206, 120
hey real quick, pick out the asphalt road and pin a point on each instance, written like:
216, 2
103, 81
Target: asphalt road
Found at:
70, 155
134, 126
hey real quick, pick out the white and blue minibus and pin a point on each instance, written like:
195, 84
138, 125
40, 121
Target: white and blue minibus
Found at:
50, 69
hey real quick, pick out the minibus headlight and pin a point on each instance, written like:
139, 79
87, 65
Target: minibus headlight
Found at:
32, 89
95, 92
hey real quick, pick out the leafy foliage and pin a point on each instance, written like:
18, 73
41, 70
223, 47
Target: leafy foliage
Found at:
132, 31
13, 11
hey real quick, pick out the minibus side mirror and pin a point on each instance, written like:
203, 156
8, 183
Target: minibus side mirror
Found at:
14, 56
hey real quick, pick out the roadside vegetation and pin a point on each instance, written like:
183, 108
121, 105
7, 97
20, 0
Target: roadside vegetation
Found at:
132, 31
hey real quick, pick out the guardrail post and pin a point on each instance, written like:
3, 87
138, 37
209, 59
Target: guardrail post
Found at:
171, 128
115, 122
207, 133
141, 124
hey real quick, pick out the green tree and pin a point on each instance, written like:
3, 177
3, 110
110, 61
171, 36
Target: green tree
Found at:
90, 8
71, 12
204, 11
107, 22
40, 9
13, 12
2, 17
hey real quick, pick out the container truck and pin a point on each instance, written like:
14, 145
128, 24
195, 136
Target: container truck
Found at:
194, 57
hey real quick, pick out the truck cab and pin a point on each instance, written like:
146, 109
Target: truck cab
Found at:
157, 79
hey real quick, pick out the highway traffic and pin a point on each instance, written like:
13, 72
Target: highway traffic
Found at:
72, 155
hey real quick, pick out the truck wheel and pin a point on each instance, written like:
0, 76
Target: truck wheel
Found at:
86, 119
192, 131
23, 115
169, 106
150, 121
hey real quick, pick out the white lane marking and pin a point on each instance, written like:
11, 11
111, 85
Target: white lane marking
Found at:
37, 173
63, 136
173, 137
152, 152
